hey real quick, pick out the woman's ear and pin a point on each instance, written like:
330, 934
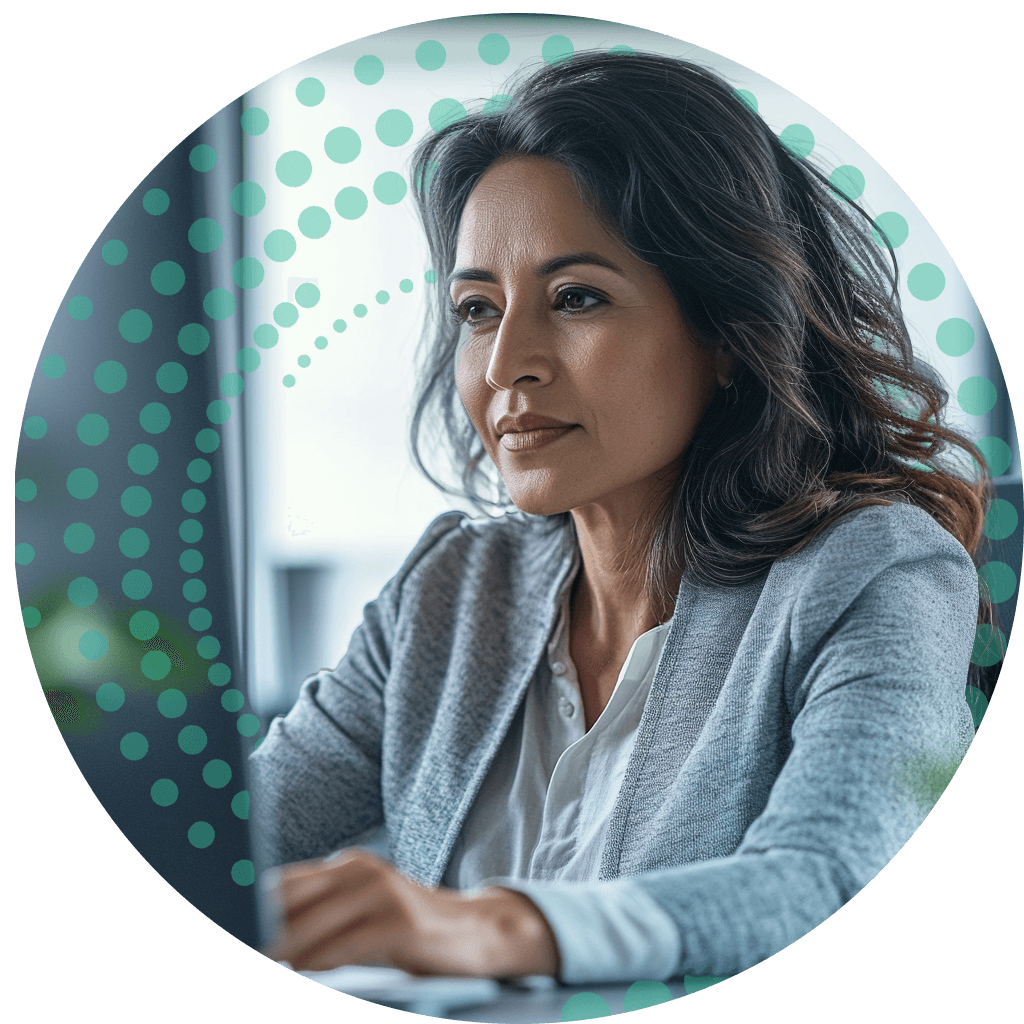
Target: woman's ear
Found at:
725, 365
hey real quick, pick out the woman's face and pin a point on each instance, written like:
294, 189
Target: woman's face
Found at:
574, 363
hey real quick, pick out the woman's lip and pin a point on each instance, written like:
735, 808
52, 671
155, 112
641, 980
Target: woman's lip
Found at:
528, 440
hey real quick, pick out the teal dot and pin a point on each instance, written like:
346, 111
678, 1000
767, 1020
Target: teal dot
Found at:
798, 139
83, 592
389, 188
646, 993
218, 411
746, 96
430, 276
247, 359
405, 285
156, 201
266, 335
359, 310
585, 1005
171, 378
193, 500
93, 429
999, 580
202, 157
205, 235
93, 645
31, 616
493, 48
394, 127
321, 342
24, 553
243, 872
369, 69
155, 665
694, 982
955, 337
996, 453
926, 281
989, 645
309, 92
133, 543
556, 48
110, 697
288, 380
293, 168
136, 584
339, 326
307, 295
977, 702
621, 48
110, 377
136, 500
351, 203
134, 746
382, 297
977, 396
200, 619
82, 483
254, 121
445, 112
192, 739
247, 199
79, 538
80, 307
143, 459
216, 773
191, 531
430, 55
314, 222
154, 418
194, 591
208, 647
135, 325
114, 252
191, 561
219, 674
1000, 520
303, 361
285, 314
167, 278
201, 834
342, 145
193, 339
280, 246
172, 703
35, 427
26, 490
198, 471
495, 105
248, 725
144, 625
207, 440
232, 700
53, 367
163, 792
890, 227
848, 181
240, 805
232, 384
248, 272
424, 174
218, 304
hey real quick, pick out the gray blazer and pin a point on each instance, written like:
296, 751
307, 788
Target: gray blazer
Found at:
797, 731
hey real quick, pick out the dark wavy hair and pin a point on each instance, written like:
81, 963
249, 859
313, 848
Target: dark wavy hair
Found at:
830, 410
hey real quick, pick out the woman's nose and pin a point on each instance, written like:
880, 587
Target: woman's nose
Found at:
521, 355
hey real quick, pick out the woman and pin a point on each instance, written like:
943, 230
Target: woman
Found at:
703, 685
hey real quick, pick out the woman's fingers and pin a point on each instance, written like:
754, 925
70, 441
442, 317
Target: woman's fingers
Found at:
303, 886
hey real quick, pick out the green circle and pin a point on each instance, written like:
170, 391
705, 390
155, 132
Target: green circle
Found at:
193, 339
200, 619
82, 483
285, 314
154, 418
193, 500
495, 105
201, 834
240, 805
167, 278
394, 127
155, 665
110, 697
926, 281
342, 145
232, 384
254, 121
978, 703
219, 674
351, 203
136, 500
135, 325
424, 173
798, 139
218, 303
247, 199
999, 580
243, 872
848, 181
191, 531
1000, 520
172, 703
164, 792
584, 1006
977, 396
207, 440
303, 361
382, 297
194, 590
133, 543
247, 359
430, 276
989, 645
79, 538
134, 746
191, 561
307, 295
24, 553
293, 168
202, 157
266, 335
114, 252
80, 307
321, 342
198, 471
144, 625
646, 993
369, 69
339, 326
26, 490
110, 377
35, 427
53, 367
93, 645
31, 617
248, 725
216, 773
445, 112
288, 380
232, 700
389, 188
171, 378
891, 227
556, 48
218, 411
745, 95
156, 201
208, 647
192, 739
430, 55
136, 584
493, 48
205, 235
83, 592
143, 459
359, 310
955, 337
279, 245
314, 222
405, 285
310, 91
93, 429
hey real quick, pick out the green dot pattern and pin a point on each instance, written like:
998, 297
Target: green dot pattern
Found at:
154, 417
293, 168
848, 181
585, 1006
80, 307
494, 48
798, 139
926, 281
430, 55
136, 584
216, 773
156, 202
444, 113
82, 592
997, 580
369, 69
110, 697
254, 121
307, 295
205, 235
192, 739
203, 158
135, 325
890, 227
93, 429
134, 746
110, 377
1000, 520
351, 203
114, 252
977, 396
243, 872
342, 145
193, 339
310, 92
955, 337
201, 835
82, 483
556, 48
53, 367
172, 703
164, 792
267, 335
314, 222
394, 127
247, 199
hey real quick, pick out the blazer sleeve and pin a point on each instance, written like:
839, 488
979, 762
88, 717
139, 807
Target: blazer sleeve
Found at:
316, 777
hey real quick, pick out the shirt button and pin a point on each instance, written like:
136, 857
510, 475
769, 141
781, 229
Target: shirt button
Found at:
566, 707
558, 667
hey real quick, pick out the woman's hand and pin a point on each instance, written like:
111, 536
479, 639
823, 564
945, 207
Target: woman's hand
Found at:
358, 909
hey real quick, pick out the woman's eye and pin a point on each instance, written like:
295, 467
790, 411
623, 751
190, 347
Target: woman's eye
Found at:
575, 300
474, 311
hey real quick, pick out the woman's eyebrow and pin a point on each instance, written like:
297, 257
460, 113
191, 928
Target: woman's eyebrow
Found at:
546, 269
